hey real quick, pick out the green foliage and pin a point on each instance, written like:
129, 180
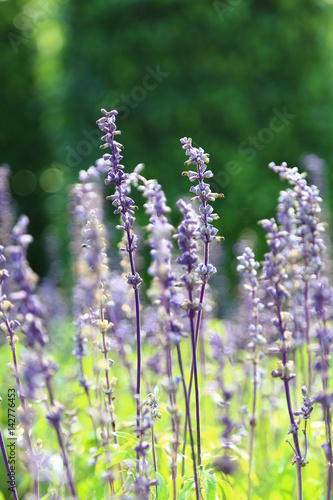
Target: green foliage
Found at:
273, 475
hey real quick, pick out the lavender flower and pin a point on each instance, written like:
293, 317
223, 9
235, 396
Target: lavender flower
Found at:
143, 483
187, 239
305, 240
205, 270
163, 292
275, 273
248, 268
28, 301
323, 302
9, 326
31, 311
124, 206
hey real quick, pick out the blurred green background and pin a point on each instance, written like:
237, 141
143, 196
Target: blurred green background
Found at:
249, 81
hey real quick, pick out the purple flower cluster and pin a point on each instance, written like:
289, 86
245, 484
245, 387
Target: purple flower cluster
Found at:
25, 297
187, 236
124, 205
248, 269
305, 201
202, 189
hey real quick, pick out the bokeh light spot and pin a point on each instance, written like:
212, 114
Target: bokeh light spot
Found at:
24, 182
50, 39
51, 180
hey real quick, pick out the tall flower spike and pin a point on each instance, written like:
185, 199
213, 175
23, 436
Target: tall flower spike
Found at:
274, 271
26, 297
9, 327
248, 269
310, 245
30, 308
307, 211
88, 248
207, 232
124, 206
323, 302
164, 279
187, 237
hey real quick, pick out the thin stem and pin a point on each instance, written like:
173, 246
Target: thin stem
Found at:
138, 338
299, 481
202, 356
59, 436
254, 401
298, 455
87, 393
128, 366
306, 441
22, 399
107, 380
327, 412
154, 453
252, 429
5, 459
330, 461
187, 404
196, 383
307, 330
197, 330
173, 402
65, 461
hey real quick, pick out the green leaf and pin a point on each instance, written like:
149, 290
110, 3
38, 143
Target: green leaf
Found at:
210, 485
162, 488
99, 488
119, 457
225, 490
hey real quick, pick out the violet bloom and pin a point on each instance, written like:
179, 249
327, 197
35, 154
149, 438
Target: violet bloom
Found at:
323, 302
88, 245
84, 197
187, 238
306, 244
307, 207
124, 206
274, 271
25, 297
162, 290
205, 269
248, 269
202, 190
29, 306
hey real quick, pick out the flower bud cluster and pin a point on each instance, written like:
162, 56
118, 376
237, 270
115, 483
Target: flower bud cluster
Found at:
187, 237
153, 403
124, 205
307, 406
143, 483
248, 269
201, 190
304, 204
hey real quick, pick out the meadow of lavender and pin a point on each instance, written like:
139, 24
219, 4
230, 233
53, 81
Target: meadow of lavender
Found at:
131, 386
